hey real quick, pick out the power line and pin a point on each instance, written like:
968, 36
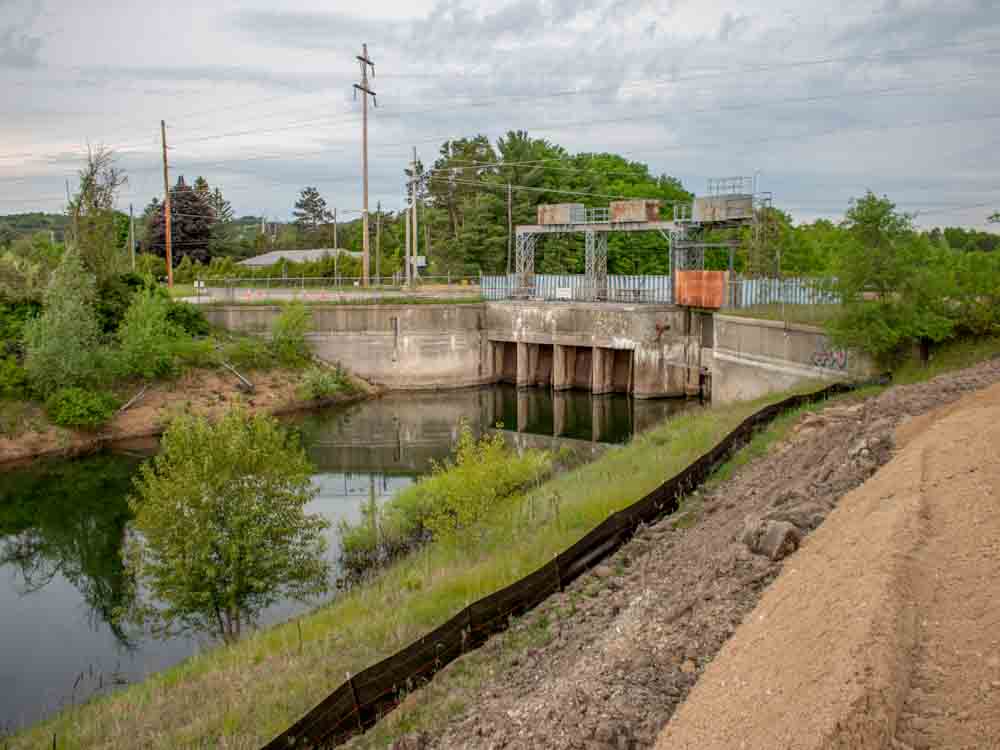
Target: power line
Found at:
646, 84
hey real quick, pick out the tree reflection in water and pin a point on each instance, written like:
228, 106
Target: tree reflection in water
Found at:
69, 519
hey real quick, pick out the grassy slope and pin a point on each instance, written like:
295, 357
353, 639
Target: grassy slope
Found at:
813, 315
241, 696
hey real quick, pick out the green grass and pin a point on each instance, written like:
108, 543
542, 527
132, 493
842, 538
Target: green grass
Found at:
954, 355
243, 695
181, 290
813, 315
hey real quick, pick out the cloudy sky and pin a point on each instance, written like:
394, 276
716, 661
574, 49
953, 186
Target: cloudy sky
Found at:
826, 99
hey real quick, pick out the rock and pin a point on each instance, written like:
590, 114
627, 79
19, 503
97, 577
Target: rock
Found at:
773, 539
779, 540
857, 448
805, 516
417, 741
603, 571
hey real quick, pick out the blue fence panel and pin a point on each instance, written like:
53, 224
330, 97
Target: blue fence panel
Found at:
547, 285
750, 292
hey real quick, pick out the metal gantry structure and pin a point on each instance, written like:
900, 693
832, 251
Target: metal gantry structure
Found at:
730, 202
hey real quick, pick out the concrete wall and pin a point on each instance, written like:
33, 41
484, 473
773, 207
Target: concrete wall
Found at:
753, 357
405, 347
589, 342
647, 350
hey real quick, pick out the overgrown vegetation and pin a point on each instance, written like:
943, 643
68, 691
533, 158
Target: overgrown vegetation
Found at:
320, 382
288, 335
80, 408
447, 505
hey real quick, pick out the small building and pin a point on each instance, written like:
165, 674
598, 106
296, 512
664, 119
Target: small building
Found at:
632, 211
296, 256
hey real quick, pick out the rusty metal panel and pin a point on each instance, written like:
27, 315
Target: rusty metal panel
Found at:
559, 213
718, 208
701, 288
635, 210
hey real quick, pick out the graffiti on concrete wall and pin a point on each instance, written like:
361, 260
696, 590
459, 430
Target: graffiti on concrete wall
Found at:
831, 359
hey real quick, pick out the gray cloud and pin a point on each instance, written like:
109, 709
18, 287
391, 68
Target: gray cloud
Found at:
19, 50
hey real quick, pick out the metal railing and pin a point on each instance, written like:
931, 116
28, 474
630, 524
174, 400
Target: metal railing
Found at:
577, 287
331, 287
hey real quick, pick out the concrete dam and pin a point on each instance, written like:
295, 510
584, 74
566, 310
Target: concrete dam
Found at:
645, 350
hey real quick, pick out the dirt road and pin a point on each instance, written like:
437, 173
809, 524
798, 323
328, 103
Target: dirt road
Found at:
884, 629
623, 646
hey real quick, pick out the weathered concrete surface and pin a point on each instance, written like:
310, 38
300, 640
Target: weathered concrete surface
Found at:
403, 347
755, 357
585, 340
647, 350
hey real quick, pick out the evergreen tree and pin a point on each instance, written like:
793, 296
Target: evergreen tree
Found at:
310, 209
191, 223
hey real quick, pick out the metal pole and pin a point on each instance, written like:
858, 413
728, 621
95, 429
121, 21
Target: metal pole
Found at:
378, 242
406, 262
510, 229
131, 234
166, 208
416, 233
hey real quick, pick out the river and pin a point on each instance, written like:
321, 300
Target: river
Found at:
62, 524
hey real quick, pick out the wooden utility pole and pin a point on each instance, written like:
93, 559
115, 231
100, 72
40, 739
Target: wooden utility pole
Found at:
378, 242
416, 231
131, 235
510, 227
166, 208
335, 245
365, 93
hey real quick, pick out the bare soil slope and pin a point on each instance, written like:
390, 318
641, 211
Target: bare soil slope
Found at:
884, 629
624, 645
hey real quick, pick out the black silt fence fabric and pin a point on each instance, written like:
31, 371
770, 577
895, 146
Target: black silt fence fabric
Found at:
358, 704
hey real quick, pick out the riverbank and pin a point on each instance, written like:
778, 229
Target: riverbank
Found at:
28, 435
243, 695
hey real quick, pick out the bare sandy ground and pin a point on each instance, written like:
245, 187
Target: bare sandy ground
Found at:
883, 630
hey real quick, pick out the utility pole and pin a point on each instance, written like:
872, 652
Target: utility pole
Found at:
365, 93
416, 231
335, 245
378, 242
166, 207
510, 227
406, 263
131, 235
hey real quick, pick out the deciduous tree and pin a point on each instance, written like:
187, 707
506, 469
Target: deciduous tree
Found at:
223, 531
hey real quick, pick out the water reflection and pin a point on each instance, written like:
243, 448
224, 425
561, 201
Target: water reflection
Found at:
62, 524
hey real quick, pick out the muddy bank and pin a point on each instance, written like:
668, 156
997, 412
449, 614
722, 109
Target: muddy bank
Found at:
623, 646
208, 392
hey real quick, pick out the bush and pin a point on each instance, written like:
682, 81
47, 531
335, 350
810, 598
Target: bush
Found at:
61, 346
456, 497
195, 353
188, 318
248, 354
80, 408
322, 382
147, 337
13, 379
13, 316
114, 295
288, 335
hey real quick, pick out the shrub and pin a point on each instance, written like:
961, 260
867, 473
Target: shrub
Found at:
456, 497
288, 335
13, 316
13, 379
78, 407
114, 295
195, 353
147, 337
248, 354
61, 346
188, 318
322, 382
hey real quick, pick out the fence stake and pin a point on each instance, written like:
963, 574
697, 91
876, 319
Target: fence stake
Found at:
357, 706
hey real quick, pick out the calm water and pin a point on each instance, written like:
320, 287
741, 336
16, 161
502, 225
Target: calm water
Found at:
62, 525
